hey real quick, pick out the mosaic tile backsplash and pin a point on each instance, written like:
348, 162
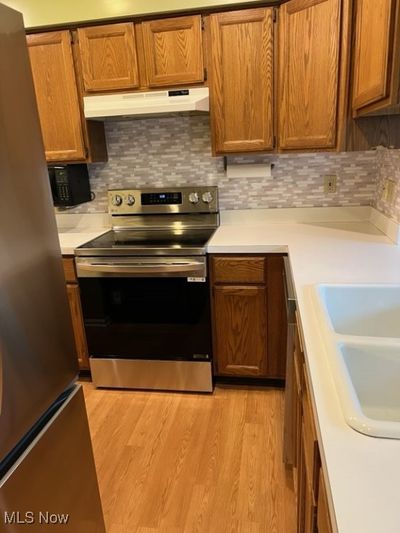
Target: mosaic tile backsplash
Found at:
388, 167
176, 151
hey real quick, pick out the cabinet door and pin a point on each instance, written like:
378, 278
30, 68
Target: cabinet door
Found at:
108, 55
310, 37
173, 51
57, 95
78, 326
373, 51
240, 315
241, 81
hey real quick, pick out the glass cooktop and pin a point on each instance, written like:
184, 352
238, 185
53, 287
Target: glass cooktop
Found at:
148, 242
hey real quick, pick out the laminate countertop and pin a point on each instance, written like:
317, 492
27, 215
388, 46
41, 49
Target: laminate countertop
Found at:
75, 230
325, 245
362, 472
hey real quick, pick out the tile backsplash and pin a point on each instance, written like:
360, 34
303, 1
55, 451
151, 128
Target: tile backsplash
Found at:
388, 167
175, 151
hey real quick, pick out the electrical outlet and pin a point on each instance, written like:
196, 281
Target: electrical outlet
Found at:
388, 191
329, 184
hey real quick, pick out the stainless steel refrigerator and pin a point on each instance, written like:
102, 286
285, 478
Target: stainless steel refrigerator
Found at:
47, 473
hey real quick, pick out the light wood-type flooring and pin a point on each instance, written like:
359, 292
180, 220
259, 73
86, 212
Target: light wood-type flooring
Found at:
191, 463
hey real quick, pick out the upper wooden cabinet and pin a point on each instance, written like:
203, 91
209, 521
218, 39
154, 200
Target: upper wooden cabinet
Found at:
173, 51
57, 95
66, 134
241, 80
313, 53
376, 61
108, 56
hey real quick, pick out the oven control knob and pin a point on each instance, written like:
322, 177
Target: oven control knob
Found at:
130, 200
193, 198
117, 200
207, 197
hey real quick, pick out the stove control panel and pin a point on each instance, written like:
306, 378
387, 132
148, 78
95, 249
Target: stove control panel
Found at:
158, 201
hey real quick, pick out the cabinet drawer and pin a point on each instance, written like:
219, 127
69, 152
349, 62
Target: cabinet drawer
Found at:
238, 269
69, 270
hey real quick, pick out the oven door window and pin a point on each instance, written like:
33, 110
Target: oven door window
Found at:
147, 318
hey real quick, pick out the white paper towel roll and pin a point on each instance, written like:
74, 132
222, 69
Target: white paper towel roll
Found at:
254, 170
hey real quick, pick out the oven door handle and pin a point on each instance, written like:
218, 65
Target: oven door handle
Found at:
177, 269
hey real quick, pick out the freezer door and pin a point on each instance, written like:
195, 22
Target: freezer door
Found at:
37, 353
54, 483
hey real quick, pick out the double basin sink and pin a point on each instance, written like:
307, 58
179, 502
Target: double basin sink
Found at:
361, 327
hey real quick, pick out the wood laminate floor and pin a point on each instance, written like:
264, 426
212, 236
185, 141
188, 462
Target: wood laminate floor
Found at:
189, 463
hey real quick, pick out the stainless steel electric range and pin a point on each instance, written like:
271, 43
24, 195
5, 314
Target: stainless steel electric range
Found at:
145, 290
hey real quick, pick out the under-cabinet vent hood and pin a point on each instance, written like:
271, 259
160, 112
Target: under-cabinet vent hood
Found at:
147, 104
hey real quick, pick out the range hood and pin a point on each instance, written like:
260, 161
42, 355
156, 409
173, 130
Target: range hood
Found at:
147, 104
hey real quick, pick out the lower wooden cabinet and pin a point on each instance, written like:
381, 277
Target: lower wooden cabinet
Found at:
74, 300
249, 320
241, 326
323, 517
312, 504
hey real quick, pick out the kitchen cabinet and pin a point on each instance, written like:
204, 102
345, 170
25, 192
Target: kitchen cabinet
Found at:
108, 56
312, 503
242, 80
76, 312
66, 135
249, 322
324, 524
241, 319
173, 51
376, 61
313, 67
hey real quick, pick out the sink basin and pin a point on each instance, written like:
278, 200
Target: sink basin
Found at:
371, 396
362, 310
361, 329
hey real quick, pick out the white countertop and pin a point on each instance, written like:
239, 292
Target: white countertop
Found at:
324, 245
69, 240
363, 472
74, 230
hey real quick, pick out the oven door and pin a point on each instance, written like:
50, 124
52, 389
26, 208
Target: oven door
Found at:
152, 310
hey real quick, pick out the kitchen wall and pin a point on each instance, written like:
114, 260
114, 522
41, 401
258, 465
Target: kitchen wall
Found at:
176, 151
388, 167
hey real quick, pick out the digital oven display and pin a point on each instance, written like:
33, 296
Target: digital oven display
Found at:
163, 198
